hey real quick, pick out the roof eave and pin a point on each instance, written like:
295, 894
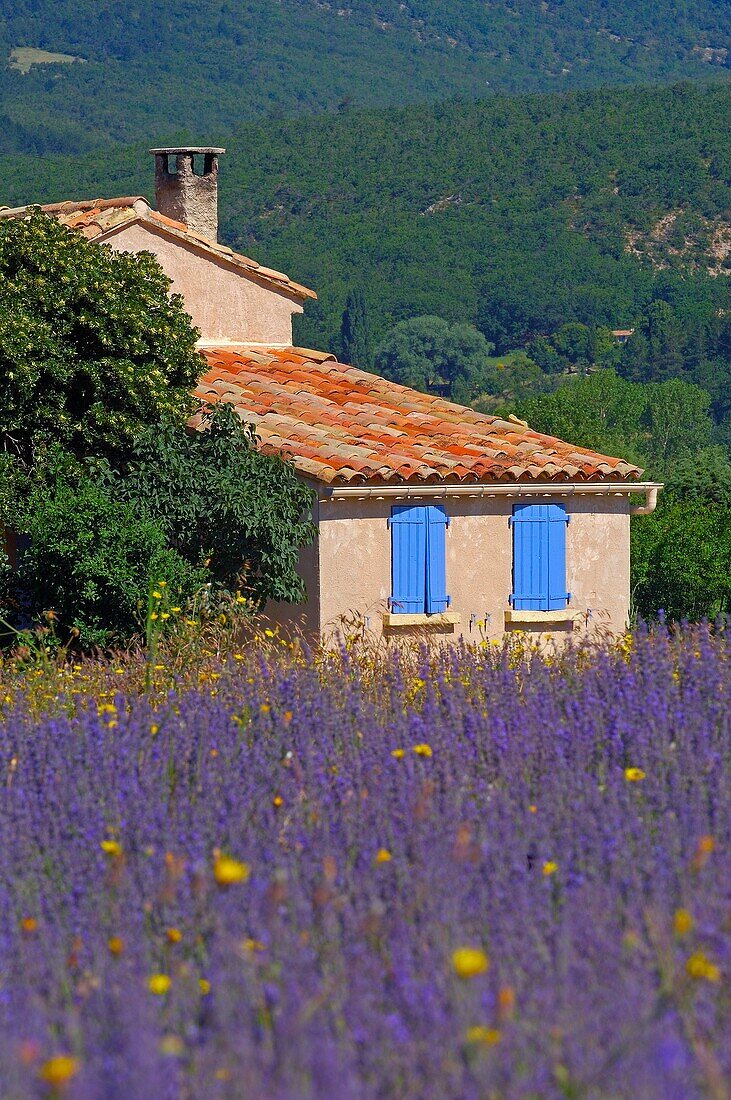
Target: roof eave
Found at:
221, 253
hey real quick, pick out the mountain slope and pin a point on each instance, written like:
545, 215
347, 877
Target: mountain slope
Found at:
157, 70
532, 210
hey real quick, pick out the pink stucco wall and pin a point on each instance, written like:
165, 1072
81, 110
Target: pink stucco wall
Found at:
226, 305
349, 572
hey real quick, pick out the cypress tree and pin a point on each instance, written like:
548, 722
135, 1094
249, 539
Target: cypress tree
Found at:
355, 337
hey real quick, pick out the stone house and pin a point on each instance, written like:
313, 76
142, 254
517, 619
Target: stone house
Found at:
430, 516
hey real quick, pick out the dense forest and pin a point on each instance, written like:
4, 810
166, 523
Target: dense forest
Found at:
151, 70
514, 214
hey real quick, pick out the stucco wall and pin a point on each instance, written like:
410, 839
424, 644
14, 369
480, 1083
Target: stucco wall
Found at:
355, 563
304, 618
224, 303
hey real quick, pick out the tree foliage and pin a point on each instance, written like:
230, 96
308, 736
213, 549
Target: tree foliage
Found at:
91, 345
355, 334
91, 557
153, 72
221, 502
428, 353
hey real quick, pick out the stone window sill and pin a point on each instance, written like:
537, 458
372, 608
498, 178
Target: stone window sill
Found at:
549, 618
445, 620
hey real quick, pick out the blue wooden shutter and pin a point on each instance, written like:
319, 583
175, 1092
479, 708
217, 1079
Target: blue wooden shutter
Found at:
436, 567
408, 560
539, 557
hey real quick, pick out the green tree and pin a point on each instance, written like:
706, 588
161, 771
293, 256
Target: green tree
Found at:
355, 336
92, 347
602, 412
221, 502
681, 559
678, 420
430, 353
91, 556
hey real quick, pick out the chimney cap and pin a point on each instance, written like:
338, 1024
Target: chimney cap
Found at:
188, 149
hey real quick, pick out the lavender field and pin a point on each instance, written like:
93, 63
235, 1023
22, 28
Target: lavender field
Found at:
467, 874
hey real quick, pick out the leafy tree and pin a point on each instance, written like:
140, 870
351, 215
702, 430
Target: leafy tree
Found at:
654, 352
510, 379
355, 336
91, 557
429, 352
602, 412
221, 502
652, 425
677, 416
98, 467
705, 475
681, 559
91, 346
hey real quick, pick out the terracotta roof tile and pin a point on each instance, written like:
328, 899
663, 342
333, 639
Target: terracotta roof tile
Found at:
340, 425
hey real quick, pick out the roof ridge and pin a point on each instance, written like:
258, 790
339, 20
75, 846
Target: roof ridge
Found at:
71, 205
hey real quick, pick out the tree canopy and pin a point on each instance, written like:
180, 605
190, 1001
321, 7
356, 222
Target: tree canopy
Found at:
429, 353
92, 347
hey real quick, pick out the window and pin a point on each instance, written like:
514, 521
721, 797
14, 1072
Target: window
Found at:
539, 557
418, 560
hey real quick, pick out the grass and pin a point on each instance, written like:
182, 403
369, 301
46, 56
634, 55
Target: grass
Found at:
24, 58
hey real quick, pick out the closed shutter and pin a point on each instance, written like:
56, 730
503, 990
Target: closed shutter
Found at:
436, 553
539, 557
408, 560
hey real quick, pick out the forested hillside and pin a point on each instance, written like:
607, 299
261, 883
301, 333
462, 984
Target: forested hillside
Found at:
147, 70
516, 214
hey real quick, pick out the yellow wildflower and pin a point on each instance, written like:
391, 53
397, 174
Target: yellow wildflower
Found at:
634, 775
682, 922
277, 800
205, 986
154, 729
153, 616
157, 595
159, 984
699, 967
468, 962
29, 925
383, 856
111, 847
398, 753
176, 610
265, 708
488, 1036
532, 809
227, 871
423, 750
550, 867
253, 945
174, 935
172, 1045
115, 945
59, 1070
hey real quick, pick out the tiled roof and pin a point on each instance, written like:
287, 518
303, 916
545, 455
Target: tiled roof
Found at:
339, 425
96, 218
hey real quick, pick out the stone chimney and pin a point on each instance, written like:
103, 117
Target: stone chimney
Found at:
187, 195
